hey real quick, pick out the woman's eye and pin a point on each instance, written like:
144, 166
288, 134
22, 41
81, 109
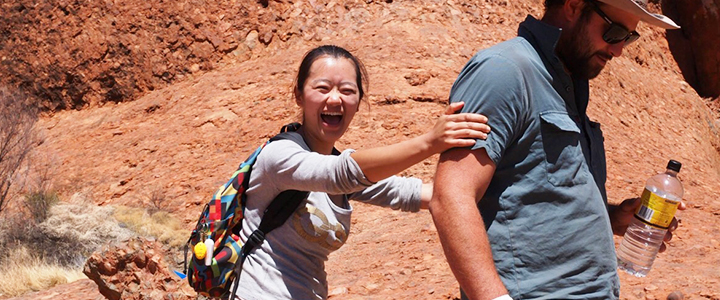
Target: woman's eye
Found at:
348, 91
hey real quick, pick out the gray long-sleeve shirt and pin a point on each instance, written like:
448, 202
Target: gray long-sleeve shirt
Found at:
290, 264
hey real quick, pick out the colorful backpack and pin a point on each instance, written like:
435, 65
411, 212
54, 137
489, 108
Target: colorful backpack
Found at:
217, 255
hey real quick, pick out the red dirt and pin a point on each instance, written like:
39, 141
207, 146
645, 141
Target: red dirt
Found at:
184, 139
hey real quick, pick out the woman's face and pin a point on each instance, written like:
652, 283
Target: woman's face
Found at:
329, 99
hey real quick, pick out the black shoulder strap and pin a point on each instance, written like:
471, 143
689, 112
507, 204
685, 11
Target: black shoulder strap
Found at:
279, 210
294, 126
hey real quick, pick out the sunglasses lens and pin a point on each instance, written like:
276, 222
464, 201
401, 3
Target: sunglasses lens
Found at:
616, 34
633, 37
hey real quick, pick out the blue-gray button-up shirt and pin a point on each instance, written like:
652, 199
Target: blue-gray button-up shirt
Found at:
545, 210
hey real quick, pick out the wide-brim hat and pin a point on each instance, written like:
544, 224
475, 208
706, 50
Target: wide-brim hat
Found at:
639, 8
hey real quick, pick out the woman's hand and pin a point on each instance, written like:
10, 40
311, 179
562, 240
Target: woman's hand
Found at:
456, 130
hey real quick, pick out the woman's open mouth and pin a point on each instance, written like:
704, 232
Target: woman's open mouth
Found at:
331, 118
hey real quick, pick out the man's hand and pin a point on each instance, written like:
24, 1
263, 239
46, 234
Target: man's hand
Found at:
621, 216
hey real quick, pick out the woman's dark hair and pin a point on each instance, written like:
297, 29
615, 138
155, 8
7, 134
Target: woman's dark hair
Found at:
332, 51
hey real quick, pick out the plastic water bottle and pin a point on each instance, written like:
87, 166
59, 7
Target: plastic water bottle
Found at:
662, 195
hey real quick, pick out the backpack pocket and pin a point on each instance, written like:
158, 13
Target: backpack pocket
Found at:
215, 280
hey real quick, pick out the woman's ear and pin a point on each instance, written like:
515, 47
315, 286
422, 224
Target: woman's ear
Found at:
298, 97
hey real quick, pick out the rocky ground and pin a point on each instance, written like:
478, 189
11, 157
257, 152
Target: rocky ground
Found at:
189, 131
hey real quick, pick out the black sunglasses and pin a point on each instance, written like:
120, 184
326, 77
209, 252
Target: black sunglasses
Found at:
615, 33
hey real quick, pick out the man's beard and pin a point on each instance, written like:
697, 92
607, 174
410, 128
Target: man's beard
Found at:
574, 49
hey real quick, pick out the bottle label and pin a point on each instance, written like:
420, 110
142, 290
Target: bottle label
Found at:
655, 210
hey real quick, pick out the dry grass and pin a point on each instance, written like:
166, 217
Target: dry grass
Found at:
160, 225
77, 230
71, 233
25, 272
89, 223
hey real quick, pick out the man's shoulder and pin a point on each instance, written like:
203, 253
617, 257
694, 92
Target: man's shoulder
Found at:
516, 50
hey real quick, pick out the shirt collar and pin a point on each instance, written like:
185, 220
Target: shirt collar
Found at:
544, 37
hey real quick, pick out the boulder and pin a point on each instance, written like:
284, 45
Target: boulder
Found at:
695, 46
135, 269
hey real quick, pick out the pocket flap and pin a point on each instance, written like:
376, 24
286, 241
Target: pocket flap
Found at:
560, 121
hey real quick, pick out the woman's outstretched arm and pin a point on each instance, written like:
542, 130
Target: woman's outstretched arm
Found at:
451, 130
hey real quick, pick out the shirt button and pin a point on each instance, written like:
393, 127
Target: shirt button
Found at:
567, 88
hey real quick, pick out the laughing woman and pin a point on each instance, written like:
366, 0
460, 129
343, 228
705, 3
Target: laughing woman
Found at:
290, 264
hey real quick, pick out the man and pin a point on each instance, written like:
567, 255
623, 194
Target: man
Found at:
538, 180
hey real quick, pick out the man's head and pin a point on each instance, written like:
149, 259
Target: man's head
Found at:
636, 7
596, 31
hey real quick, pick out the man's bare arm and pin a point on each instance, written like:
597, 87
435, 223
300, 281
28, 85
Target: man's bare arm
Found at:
462, 178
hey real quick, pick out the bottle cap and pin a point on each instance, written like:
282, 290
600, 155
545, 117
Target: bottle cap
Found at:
674, 165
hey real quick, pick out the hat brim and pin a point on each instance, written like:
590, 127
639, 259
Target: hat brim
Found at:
645, 16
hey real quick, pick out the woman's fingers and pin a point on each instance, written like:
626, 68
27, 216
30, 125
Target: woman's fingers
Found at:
482, 127
472, 125
468, 117
455, 129
454, 107
475, 131
465, 137
469, 133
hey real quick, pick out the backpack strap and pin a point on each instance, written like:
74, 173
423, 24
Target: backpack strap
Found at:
290, 127
279, 210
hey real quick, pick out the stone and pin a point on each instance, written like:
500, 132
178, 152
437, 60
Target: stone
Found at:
138, 270
691, 45
338, 291
251, 39
418, 78
676, 295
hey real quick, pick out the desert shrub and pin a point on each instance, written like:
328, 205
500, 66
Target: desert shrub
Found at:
73, 231
156, 198
41, 255
160, 225
38, 204
39, 194
77, 230
26, 272
70, 234
18, 116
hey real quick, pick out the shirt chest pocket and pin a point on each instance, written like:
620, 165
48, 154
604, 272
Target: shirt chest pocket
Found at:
564, 158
